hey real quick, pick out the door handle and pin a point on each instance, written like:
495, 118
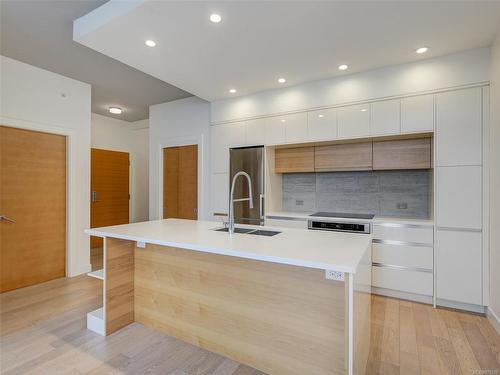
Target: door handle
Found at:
94, 196
5, 218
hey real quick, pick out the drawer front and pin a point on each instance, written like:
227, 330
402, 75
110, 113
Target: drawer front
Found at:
302, 224
403, 233
403, 280
416, 257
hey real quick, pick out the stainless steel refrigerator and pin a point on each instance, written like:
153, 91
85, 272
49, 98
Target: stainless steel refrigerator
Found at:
251, 161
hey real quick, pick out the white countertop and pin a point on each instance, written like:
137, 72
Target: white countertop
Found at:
301, 247
377, 219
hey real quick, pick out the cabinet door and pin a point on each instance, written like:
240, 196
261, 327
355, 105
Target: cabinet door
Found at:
275, 130
255, 132
295, 127
459, 139
322, 125
459, 197
294, 160
343, 157
353, 121
402, 154
222, 138
417, 114
459, 270
220, 193
385, 117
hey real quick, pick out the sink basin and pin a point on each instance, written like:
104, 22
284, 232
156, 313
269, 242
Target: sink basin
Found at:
257, 232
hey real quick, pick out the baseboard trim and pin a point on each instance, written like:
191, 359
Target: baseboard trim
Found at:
402, 295
461, 306
493, 318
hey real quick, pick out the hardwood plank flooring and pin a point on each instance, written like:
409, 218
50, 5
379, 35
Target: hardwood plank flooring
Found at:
43, 331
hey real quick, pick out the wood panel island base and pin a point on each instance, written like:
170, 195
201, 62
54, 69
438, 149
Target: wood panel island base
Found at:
269, 309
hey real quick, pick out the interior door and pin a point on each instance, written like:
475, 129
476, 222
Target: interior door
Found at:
180, 182
109, 185
33, 207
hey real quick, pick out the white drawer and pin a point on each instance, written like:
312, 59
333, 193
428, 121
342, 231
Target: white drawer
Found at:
283, 223
404, 233
403, 280
403, 255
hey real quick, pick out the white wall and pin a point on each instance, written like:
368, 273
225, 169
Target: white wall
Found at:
495, 182
179, 122
118, 135
36, 99
455, 70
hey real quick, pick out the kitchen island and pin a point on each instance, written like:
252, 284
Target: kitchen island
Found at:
294, 303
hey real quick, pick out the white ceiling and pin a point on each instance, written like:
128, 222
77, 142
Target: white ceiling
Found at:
259, 41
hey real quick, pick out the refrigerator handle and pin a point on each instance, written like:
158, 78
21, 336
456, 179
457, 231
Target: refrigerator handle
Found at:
261, 208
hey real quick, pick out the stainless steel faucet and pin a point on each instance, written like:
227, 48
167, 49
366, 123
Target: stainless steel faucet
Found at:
231, 202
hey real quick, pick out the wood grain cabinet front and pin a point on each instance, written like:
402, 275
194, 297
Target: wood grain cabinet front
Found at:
294, 160
343, 157
402, 154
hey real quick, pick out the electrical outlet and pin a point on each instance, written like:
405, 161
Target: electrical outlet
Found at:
334, 275
299, 202
402, 206
141, 244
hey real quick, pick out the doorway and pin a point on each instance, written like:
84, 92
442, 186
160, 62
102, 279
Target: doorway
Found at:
32, 207
110, 197
180, 182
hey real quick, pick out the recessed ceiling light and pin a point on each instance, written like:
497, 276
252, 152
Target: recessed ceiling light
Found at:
150, 43
115, 110
320, 116
363, 110
343, 67
422, 50
283, 120
215, 18
281, 80
232, 91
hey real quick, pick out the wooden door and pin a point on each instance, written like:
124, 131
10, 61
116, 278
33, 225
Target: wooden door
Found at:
344, 157
109, 185
33, 195
294, 160
402, 154
180, 182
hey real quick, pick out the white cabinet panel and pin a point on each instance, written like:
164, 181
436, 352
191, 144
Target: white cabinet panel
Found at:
395, 232
353, 121
385, 117
417, 114
322, 124
222, 138
220, 193
459, 271
255, 131
459, 197
459, 136
295, 127
403, 280
403, 255
275, 130
280, 223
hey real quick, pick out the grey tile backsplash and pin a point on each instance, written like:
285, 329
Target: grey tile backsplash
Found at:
406, 193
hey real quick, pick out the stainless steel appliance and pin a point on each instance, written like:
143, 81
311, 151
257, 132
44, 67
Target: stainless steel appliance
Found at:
251, 161
338, 225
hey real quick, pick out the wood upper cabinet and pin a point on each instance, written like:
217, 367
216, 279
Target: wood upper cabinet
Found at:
402, 154
294, 160
343, 157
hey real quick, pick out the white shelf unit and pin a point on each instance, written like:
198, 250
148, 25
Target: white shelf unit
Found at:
98, 274
95, 321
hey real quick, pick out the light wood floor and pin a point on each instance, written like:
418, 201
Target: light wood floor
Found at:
43, 331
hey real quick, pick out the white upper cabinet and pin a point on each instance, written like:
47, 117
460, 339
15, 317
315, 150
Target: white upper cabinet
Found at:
353, 121
275, 130
322, 124
459, 266
255, 131
417, 114
222, 137
295, 127
385, 117
458, 125
459, 197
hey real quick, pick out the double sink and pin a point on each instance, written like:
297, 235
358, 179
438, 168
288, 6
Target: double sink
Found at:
256, 232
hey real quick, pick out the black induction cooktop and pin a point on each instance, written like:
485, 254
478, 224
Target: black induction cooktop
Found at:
343, 215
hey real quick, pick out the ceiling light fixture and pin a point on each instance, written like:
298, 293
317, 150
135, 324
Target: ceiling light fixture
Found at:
115, 110
421, 50
281, 80
320, 116
343, 67
283, 120
232, 91
215, 18
150, 43
363, 110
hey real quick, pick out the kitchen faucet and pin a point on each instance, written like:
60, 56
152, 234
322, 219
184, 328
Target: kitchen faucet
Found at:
231, 202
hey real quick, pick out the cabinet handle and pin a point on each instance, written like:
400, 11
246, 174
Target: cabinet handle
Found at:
5, 218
